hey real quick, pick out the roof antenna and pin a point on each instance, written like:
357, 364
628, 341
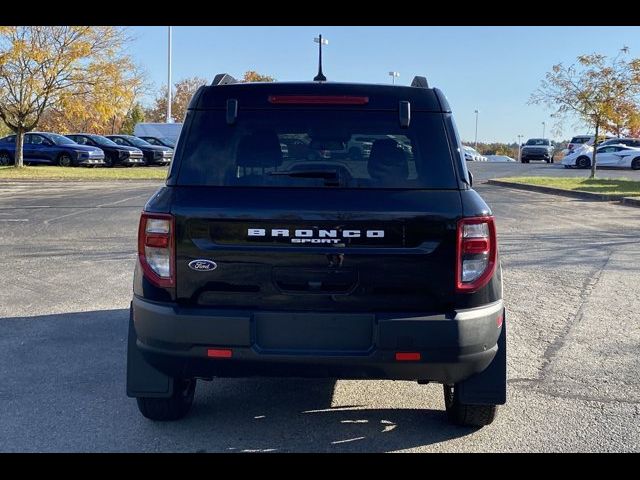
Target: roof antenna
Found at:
320, 41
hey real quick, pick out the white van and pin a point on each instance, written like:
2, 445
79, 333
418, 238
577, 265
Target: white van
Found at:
169, 131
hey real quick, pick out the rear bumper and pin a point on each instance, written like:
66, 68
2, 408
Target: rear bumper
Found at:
452, 347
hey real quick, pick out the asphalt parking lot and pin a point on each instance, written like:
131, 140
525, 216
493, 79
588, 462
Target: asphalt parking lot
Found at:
571, 282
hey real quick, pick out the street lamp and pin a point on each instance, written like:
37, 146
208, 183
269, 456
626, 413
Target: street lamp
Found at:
320, 41
476, 141
543, 127
169, 119
519, 144
393, 76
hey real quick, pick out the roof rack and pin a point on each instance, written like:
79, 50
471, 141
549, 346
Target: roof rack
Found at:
223, 79
420, 82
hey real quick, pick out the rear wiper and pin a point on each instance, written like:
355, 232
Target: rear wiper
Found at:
332, 177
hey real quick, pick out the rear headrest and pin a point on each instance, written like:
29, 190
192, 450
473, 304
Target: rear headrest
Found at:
387, 161
259, 149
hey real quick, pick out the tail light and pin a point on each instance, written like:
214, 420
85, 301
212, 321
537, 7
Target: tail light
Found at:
476, 253
156, 236
318, 99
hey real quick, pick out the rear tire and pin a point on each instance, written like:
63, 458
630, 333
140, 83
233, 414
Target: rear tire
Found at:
5, 159
466, 415
172, 408
635, 164
583, 162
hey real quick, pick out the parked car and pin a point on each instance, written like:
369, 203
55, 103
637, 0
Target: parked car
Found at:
629, 142
153, 154
114, 154
161, 141
579, 140
472, 155
50, 148
612, 155
537, 149
247, 266
585, 142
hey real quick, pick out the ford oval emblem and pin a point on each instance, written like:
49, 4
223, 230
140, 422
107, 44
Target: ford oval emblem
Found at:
202, 265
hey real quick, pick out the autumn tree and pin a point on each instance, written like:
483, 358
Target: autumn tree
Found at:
180, 98
41, 65
591, 89
100, 108
4, 130
253, 76
623, 119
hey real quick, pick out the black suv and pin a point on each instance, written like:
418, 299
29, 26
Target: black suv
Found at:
114, 154
382, 266
153, 154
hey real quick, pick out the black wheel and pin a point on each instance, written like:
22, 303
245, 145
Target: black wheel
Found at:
64, 160
635, 164
583, 162
109, 161
467, 415
5, 159
172, 408
567, 166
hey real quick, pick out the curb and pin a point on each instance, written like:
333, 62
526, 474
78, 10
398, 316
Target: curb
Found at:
598, 197
631, 201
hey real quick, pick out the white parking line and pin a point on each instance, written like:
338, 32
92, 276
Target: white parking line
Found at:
14, 219
110, 204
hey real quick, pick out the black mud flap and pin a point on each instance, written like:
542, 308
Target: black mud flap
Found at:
143, 380
488, 387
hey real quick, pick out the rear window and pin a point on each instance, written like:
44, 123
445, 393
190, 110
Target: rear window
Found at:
579, 139
315, 148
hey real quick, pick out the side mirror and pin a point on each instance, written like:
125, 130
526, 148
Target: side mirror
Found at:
470, 178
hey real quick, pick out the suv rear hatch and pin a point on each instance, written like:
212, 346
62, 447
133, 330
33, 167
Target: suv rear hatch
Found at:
320, 227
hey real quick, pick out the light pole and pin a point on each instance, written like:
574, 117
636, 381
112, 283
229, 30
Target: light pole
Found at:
543, 128
169, 119
519, 144
320, 41
476, 141
393, 76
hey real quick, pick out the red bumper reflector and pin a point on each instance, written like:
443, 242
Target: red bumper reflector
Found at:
219, 353
407, 356
499, 320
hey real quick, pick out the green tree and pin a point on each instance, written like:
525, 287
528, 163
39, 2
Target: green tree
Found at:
592, 89
134, 116
41, 65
